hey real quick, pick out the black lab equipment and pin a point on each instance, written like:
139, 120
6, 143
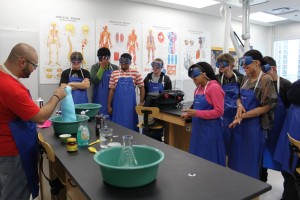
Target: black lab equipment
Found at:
168, 99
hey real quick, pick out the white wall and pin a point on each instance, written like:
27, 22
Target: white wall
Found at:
287, 31
24, 15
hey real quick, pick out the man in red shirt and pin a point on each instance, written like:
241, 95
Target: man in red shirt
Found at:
18, 115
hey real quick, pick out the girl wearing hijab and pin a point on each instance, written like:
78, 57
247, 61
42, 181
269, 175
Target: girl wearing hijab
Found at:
207, 134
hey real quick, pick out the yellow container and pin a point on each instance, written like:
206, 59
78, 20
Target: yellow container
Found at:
72, 145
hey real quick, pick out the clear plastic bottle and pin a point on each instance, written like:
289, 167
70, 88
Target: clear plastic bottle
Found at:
127, 157
83, 133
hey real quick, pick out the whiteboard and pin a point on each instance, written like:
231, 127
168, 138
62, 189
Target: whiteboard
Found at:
8, 39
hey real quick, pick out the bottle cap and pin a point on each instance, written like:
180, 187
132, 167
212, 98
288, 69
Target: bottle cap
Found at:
71, 140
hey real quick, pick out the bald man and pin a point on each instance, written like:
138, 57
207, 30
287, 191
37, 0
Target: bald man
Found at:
18, 117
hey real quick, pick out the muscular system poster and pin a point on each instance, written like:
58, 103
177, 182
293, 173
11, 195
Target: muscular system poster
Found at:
120, 37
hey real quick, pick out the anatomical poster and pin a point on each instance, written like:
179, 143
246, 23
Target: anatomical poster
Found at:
60, 36
161, 42
195, 47
120, 37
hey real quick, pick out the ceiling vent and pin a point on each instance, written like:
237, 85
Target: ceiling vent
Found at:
283, 10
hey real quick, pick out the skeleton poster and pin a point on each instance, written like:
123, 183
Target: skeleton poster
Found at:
59, 37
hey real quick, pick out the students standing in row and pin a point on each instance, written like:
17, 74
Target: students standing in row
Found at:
282, 86
100, 75
254, 116
77, 78
282, 152
230, 80
156, 82
122, 98
207, 134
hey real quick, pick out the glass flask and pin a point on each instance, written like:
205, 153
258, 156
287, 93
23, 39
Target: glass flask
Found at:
127, 157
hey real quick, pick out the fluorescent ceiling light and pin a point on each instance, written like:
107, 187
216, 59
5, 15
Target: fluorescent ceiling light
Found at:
264, 17
193, 3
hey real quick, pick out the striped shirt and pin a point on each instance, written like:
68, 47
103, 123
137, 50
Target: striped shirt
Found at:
136, 76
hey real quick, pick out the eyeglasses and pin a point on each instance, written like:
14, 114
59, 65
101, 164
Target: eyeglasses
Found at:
245, 60
123, 60
222, 63
194, 72
33, 64
103, 58
157, 65
76, 60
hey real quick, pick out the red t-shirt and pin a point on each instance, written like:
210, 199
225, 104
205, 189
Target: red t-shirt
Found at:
15, 102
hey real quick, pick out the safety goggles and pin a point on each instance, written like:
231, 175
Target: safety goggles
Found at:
222, 63
156, 65
194, 72
245, 60
266, 68
76, 60
103, 58
123, 60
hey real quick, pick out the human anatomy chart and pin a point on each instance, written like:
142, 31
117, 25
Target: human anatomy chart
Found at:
120, 37
161, 42
59, 37
195, 48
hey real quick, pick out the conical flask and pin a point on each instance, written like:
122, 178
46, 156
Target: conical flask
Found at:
127, 157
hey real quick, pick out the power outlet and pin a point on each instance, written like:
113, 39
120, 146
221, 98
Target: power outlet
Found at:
188, 128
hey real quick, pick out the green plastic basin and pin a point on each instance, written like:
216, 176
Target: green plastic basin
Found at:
61, 127
92, 107
148, 159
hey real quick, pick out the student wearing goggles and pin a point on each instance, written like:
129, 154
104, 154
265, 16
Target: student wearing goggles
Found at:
156, 82
222, 64
77, 78
122, 95
275, 146
255, 106
156, 64
100, 76
124, 61
230, 80
104, 58
245, 61
208, 107
76, 60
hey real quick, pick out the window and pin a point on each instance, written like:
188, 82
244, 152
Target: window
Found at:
287, 56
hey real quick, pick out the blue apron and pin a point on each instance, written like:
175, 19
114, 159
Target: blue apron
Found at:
79, 95
101, 92
207, 135
124, 102
273, 134
231, 95
155, 87
245, 153
291, 125
25, 136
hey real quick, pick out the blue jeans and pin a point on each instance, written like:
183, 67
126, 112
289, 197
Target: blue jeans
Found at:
13, 181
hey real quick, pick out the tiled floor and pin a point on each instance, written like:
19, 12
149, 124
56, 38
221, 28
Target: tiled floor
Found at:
276, 180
